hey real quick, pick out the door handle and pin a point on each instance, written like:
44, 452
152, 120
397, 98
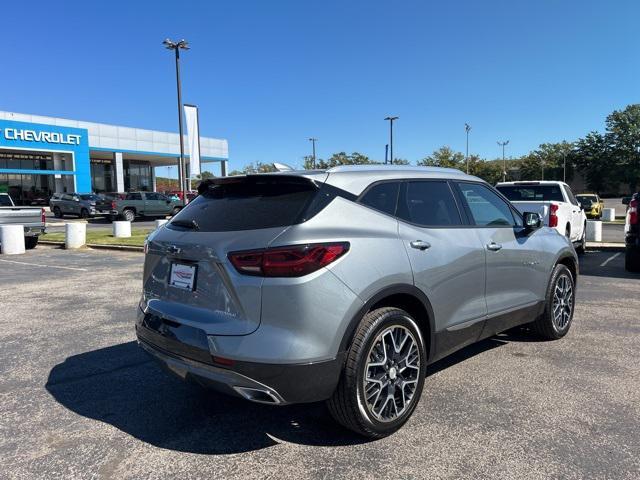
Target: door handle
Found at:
420, 244
494, 247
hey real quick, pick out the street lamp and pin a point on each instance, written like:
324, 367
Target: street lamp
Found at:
391, 119
467, 128
182, 177
504, 162
313, 142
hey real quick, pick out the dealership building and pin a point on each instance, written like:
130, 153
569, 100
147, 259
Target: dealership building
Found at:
42, 155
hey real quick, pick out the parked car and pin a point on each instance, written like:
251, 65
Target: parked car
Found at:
83, 205
143, 204
555, 203
33, 219
592, 205
632, 235
343, 285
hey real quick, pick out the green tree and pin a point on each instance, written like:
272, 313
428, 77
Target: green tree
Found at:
593, 157
401, 161
341, 158
623, 132
443, 157
547, 162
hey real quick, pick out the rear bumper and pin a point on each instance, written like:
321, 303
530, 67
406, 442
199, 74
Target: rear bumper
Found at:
183, 351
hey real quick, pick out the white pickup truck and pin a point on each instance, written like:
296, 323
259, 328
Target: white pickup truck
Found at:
32, 219
555, 203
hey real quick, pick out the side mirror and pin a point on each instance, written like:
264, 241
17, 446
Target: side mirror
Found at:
532, 221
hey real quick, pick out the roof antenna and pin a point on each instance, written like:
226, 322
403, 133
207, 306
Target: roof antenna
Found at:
282, 167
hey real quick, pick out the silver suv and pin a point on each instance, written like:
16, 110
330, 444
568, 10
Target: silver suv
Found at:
344, 285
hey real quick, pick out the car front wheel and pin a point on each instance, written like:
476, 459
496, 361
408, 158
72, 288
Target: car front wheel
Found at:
382, 379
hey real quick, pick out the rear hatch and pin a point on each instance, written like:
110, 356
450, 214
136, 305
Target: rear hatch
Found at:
188, 277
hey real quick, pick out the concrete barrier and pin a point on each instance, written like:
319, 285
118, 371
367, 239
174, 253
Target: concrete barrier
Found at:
12, 239
121, 229
594, 231
75, 235
608, 214
160, 222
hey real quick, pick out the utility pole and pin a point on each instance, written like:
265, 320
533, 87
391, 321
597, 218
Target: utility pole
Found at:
467, 128
564, 166
504, 162
391, 119
386, 153
313, 142
182, 174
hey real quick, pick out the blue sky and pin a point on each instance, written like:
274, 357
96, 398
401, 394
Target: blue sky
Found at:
267, 75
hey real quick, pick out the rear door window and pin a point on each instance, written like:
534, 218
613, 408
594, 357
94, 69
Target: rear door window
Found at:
248, 203
134, 196
531, 193
382, 197
428, 204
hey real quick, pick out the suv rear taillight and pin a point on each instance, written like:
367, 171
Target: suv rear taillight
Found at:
553, 215
632, 213
113, 205
291, 261
43, 217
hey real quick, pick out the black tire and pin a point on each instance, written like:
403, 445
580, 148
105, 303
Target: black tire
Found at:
582, 246
30, 242
57, 212
349, 405
175, 211
129, 215
631, 261
545, 325
84, 213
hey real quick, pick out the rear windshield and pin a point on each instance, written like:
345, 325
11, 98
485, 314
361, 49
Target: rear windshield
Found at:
531, 193
249, 203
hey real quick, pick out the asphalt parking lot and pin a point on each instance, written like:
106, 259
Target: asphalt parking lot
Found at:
79, 399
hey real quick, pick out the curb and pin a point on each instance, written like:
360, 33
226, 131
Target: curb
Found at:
121, 248
606, 246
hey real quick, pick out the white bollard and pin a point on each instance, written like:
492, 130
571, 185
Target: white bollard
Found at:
12, 239
122, 229
608, 214
594, 231
160, 222
75, 235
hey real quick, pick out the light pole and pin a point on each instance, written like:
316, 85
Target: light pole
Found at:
467, 128
504, 162
313, 142
391, 119
564, 166
182, 177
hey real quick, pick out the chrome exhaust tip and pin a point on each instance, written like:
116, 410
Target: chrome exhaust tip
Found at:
259, 395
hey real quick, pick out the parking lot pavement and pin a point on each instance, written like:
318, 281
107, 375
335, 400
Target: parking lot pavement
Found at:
79, 399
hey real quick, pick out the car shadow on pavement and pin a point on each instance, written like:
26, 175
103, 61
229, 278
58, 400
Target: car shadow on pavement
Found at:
122, 386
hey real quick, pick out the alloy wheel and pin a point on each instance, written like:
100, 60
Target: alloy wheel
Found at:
562, 302
391, 373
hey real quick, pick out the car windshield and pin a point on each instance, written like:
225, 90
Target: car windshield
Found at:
586, 198
531, 193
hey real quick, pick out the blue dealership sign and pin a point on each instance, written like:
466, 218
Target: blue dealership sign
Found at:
50, 138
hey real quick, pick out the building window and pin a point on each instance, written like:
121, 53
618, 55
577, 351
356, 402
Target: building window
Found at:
137, 176
102, 176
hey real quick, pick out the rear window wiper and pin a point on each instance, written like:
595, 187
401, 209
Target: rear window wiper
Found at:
190, 224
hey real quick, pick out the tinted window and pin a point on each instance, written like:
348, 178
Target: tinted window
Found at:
152, 196
134, 196
382, 196
570, 196
532, 193
5, 201
486, 208
89, 197
430, 204
249, 203
67, 197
